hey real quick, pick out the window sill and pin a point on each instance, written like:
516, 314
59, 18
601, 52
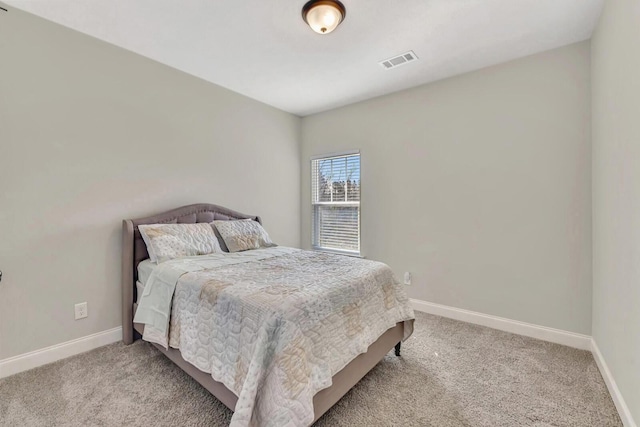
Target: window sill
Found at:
338, 252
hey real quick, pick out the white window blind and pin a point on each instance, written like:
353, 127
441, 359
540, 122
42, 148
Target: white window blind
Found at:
335, 199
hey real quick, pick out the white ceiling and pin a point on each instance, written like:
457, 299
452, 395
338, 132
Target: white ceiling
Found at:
264, 50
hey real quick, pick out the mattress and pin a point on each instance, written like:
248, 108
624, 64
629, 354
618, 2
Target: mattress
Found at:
139, 288
144, 271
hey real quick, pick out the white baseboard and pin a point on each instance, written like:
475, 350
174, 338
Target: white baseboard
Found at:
24, 362
558, 336
618, 400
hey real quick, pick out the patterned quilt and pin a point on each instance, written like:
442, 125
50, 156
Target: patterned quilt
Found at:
273, 325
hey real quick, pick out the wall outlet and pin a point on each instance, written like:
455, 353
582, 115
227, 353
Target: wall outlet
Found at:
81, 310
407, 278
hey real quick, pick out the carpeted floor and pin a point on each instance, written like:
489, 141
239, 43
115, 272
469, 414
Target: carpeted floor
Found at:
450, 374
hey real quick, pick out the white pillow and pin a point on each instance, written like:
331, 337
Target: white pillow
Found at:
169, 241
243, 234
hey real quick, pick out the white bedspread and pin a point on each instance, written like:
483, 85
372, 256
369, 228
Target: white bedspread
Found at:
273, 325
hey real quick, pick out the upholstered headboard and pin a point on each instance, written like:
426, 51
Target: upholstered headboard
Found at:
134, 250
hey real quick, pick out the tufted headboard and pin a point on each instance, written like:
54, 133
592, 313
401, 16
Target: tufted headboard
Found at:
134, 250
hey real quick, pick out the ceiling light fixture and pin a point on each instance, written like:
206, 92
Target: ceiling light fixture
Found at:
323, 16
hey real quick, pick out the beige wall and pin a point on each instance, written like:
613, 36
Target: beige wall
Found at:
479, 185
91, 134
616, 195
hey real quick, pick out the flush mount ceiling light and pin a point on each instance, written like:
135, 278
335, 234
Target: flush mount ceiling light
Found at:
323, 16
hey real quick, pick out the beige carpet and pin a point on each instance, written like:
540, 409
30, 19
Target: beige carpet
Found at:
450, 374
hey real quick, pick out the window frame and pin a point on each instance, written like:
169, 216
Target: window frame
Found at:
326, 156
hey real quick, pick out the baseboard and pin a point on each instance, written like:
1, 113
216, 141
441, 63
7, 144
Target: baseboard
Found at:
618, 400
24, 362
558, 336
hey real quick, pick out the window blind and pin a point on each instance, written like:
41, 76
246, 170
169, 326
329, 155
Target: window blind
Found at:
335, 198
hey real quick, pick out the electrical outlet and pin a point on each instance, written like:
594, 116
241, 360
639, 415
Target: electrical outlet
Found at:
81, 310
407, 278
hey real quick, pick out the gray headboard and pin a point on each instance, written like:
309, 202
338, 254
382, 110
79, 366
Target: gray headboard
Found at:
134, 250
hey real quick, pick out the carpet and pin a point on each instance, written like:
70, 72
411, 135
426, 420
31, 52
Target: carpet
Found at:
450, 374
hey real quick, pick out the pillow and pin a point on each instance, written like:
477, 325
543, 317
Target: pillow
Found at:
242, 235
169, 241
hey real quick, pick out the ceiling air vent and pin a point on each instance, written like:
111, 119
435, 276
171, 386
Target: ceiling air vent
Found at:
399, 60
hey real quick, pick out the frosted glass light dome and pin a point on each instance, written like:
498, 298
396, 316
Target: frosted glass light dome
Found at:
323, 16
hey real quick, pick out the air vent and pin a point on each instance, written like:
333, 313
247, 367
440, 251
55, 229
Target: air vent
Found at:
399, 60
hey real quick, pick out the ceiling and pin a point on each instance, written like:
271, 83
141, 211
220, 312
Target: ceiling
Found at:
264, 50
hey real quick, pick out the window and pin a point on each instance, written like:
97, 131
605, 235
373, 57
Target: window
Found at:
335, 200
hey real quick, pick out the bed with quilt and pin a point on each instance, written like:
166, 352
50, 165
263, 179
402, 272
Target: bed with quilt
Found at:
278, 334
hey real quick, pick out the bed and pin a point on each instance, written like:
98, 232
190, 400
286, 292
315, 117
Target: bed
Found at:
134, 251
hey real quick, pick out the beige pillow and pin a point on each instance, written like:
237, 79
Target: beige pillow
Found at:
169, 241
242, 235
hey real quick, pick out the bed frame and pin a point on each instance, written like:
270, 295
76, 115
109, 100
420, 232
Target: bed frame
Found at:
134, 251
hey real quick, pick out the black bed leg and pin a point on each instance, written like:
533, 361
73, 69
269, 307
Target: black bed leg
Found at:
398, 348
